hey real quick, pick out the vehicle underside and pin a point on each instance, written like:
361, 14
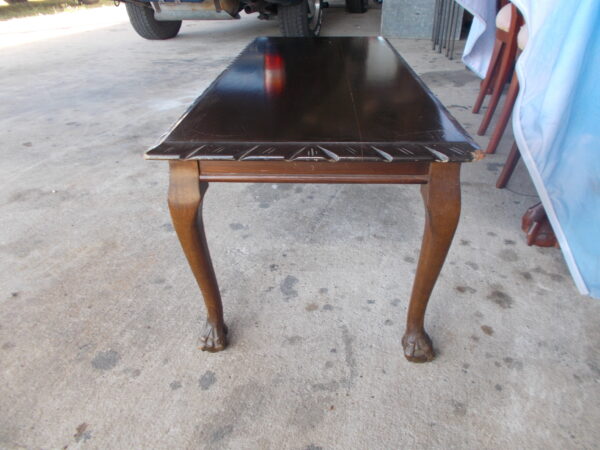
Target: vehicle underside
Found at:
162, 19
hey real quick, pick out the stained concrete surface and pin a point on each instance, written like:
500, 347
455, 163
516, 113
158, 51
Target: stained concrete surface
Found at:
100, 316
408, 19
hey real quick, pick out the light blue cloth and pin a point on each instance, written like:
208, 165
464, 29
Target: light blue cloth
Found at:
480, 42
556, 122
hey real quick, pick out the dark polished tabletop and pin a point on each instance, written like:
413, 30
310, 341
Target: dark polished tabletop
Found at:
329, 98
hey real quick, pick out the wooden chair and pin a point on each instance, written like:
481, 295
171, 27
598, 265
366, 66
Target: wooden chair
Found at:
508, 22
511, 96
509, 167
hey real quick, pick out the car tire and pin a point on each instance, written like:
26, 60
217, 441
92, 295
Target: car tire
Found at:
143, 22
357, 6
302, 19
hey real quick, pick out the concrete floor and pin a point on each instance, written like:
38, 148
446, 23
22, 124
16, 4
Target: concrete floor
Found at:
100, 316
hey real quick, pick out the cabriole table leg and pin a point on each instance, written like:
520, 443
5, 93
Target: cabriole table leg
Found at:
441, 196
186, 193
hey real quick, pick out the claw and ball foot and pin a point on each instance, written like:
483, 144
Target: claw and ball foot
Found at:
418, 347
214, 338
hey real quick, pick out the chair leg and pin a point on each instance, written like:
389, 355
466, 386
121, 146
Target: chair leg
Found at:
508, 59
485, 84
509, 103
509, 167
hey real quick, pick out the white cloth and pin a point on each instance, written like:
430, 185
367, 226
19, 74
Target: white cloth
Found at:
480, 42
556, 122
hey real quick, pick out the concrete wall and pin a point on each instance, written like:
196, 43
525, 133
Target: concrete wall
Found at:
407, 18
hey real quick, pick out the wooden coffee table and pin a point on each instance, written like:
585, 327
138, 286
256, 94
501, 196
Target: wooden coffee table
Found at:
318, 110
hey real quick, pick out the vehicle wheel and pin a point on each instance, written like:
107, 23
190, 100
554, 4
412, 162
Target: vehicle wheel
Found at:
143, 22
302, 19
356, 6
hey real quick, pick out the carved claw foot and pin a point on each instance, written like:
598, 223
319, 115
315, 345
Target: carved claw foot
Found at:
537, 227
418, 347
214, 338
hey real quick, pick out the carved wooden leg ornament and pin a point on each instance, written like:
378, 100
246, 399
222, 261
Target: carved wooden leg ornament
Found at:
442, 210
185, 203
537, 227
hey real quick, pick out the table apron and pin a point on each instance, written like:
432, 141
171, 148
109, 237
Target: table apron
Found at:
313, 172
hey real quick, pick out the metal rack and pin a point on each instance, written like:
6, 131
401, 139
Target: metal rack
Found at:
446, 26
